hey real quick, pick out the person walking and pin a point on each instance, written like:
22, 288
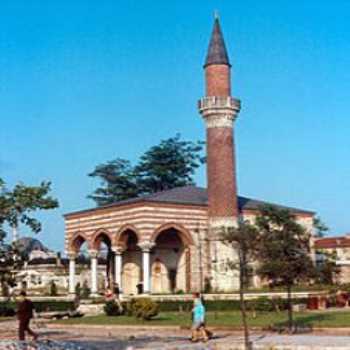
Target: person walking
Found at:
25, 309
116, 290
198, 320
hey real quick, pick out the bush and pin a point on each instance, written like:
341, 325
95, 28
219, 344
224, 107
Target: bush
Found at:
262, 304
41, 306
7, 310
5, 290
78, 289
144, 308
112, 308
85, 290
53, 289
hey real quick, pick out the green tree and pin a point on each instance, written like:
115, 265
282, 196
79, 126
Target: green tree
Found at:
283, 251
170, 164
320, 227
243, 239
16, 208
327, 269
118, 180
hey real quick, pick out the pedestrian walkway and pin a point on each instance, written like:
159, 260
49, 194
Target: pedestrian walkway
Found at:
114, 338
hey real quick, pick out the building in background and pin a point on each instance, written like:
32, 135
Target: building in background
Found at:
338, 248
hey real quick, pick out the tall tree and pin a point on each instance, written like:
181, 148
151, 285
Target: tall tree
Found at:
16, 208
243, 239
172, 163
284, 251
327, 269
118, 182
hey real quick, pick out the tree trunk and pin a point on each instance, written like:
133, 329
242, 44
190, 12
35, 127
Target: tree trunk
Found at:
247, 344
290, 309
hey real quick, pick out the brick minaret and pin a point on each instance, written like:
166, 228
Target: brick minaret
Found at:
219, 110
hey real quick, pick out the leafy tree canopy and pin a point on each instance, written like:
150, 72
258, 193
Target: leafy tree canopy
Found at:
170, 164
283, 251
16, 208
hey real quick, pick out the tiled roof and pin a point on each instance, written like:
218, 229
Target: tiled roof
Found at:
193, 195
333, 242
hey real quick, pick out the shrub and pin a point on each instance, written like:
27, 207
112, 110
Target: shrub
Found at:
41, 306
53, 288
207, 285
112, 308
144, 308
85, 290
7, 310
5, 290
262, 304
78, 289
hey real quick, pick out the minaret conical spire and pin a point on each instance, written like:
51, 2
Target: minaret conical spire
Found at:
217, 53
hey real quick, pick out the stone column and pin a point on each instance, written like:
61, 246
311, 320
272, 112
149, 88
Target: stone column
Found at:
72, 257
93, 258
146, 268
118, 263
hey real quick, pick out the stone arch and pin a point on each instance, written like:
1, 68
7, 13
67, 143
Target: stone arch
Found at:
101, 235
171, 259
183, 232
77, 240
119, 239
128, 238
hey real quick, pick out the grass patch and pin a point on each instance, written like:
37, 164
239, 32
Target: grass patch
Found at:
225, 318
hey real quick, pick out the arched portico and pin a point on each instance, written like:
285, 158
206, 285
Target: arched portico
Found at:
77, 241
101, 243
170, 262
131, 271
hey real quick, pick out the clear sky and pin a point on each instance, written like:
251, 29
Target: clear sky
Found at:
83, 82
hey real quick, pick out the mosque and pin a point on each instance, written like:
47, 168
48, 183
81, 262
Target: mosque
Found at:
167, 242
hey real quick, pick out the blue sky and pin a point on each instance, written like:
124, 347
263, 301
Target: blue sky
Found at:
83, 82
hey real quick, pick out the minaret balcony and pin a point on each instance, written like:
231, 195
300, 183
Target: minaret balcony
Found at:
219, 102
225, 107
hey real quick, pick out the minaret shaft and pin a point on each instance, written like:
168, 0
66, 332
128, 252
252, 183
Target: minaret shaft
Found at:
218, 80
222, 188
219, 111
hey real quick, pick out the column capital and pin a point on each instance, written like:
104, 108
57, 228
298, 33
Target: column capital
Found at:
118, 250
72, 255
146, 246
93, 253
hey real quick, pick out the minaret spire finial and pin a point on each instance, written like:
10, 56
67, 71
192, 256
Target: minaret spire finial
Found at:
217, 53
216, 14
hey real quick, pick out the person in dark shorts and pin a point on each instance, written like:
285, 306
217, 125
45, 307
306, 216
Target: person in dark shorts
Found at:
198, 320
25, 309
116, 290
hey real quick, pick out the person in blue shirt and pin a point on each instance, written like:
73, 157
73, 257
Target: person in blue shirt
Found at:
198, 319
